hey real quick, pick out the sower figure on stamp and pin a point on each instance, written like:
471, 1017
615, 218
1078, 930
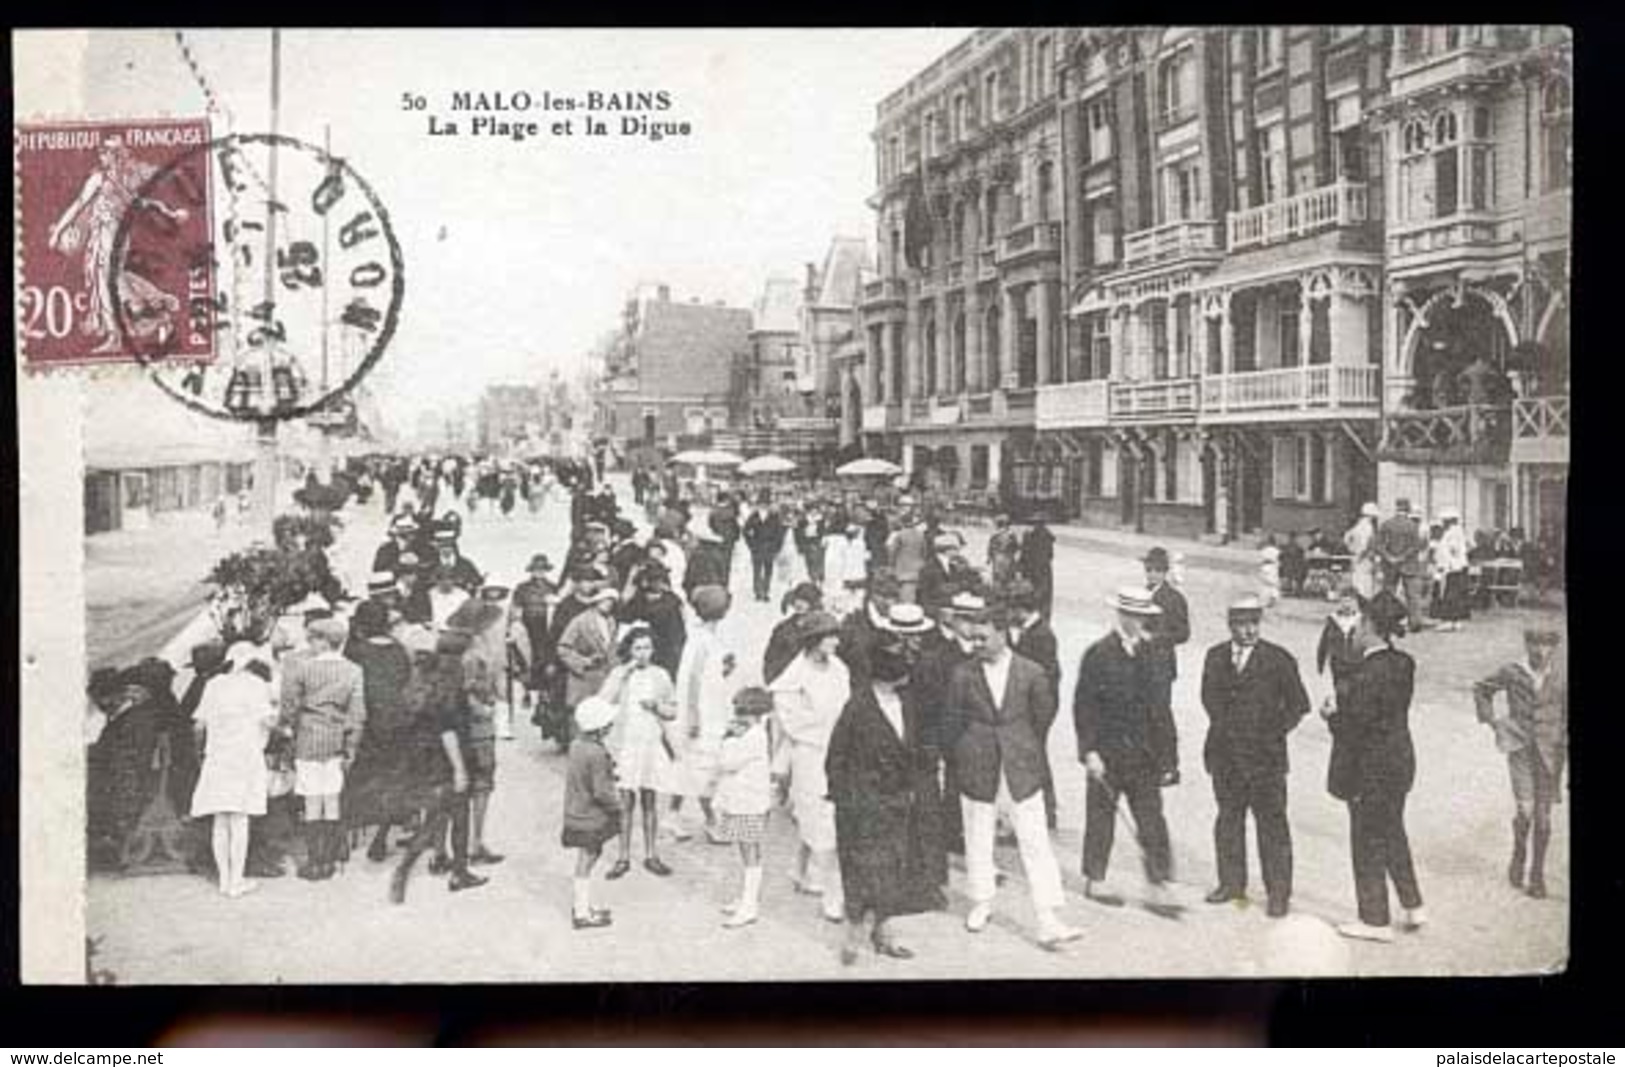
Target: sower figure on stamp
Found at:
1254, 698
1115, 710
1533, 732
1165, 632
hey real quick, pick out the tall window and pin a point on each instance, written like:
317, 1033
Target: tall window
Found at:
1176, 87
990, 96
1416, 189
1446, 165
1272, 155
1303, 468
930, 346
1157, 320
1348, 154
1182, 191
1100, 130
990, 215
959, 116
956, 373
1290, 355
1557, 135
956, 233
931, 145
990, 350
1104, 230
1271, 47
1170, 469
1044, 60
1182, 338
894, 158
1046, 192
1100, 346
1480, 191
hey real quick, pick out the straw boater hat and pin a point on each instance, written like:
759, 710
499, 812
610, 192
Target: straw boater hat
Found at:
1370, 508
381, 583
1450, 514
403, 523
966, 605
947, 539
1246, 605
494, 594
594, 713
907, 619
1134, 600
605, 594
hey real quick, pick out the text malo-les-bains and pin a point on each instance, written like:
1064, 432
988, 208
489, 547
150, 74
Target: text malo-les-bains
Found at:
592, 100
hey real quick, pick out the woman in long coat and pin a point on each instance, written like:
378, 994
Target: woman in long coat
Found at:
885, 821
1372, 769
586, 649
386, 672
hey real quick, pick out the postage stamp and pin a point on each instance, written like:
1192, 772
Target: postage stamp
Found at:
312, 279
78, 182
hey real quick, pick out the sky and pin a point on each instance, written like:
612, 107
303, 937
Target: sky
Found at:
520, 255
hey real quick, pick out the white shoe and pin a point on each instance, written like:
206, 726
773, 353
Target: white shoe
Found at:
980, 915
1415, 919
744, 916
1052, 932
1366, 932
834, 909
732, 906
677, 833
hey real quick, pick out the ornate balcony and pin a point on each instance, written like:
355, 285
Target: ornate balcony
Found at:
1075, 404
1447, 238
884, 291
1332, 206
1169, 398
1292, 392
1540, 429
1172, 240
1466, 434
1033, 240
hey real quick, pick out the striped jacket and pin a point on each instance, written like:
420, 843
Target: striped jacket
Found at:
322, 702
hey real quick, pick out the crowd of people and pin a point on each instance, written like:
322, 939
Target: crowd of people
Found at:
901, 712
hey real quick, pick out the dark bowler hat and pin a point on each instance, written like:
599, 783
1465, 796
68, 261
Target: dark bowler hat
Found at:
753, 701
1156, 559
817, 625
539, 563
806, 592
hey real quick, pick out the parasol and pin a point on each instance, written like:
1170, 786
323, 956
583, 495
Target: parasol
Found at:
769, 464
869, 466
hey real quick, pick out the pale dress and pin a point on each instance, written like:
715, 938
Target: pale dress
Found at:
236, 713
639, 742
704, 700
807, 700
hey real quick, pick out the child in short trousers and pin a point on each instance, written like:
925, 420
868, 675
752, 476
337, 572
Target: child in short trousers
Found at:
322, 704
744, 795
592, 805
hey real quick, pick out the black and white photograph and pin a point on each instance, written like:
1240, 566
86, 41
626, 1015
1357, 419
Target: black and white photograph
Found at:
746, 505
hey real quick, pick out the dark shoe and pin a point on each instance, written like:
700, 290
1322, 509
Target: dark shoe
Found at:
440, 864
654, 866
590, 921
1093, 891
1221, 895
618, 871
1277, 909
849, 955
378, 851
397, 883
265, 869
461, 880
485, 857
1536, 890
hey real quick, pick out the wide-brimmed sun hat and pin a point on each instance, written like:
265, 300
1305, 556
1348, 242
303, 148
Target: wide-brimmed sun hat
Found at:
1134, 600
817, 625
1370, 508
1243, 606
594, 713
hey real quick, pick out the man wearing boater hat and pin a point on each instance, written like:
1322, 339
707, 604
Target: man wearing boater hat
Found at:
1115, 710
1169, 628
1254, 698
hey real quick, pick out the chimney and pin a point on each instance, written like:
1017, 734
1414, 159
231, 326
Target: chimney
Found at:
665, 294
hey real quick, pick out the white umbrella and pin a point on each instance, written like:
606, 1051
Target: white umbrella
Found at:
869, 466
769, 464
708, 458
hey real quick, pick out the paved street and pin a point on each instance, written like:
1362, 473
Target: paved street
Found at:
178, 929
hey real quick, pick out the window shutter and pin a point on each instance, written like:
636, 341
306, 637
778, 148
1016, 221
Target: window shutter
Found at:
1284, 456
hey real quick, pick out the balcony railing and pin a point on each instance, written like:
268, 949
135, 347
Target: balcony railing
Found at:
1471, 433
1072, 404
883, 289
1457, 231
1540, 417
1154, 399
1033, 239
979, 406
1320, 387
1020, 399
1170, 241
1330, 206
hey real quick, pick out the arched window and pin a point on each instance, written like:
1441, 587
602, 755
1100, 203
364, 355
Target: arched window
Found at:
1046, 192
1446, 166
1415, 137
1557, 135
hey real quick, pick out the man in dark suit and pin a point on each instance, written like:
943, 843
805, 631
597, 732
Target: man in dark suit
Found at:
1032, 639
708, 562
1402, 547
1114, 710
940, 653
936, 586
1165, 632
1254, 697
998, 707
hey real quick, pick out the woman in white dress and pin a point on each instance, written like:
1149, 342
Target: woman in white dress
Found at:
235, 717
707, 679
645, 761
807, 700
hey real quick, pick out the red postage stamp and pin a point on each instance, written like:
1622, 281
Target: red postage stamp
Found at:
79, 281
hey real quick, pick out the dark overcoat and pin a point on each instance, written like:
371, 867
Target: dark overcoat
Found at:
887, 830
1372, 753
1251, 714
1113, 710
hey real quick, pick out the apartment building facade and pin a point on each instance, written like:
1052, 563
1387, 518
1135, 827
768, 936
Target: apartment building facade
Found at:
1221, 252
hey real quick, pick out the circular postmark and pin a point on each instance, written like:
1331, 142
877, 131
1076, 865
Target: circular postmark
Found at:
296, 286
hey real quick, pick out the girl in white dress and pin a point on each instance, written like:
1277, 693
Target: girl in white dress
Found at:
807, 700
645, 761
235, 717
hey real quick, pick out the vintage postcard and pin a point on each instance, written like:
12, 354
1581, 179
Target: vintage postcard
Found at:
745, 505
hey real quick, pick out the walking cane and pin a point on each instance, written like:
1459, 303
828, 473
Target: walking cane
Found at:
1162, 910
